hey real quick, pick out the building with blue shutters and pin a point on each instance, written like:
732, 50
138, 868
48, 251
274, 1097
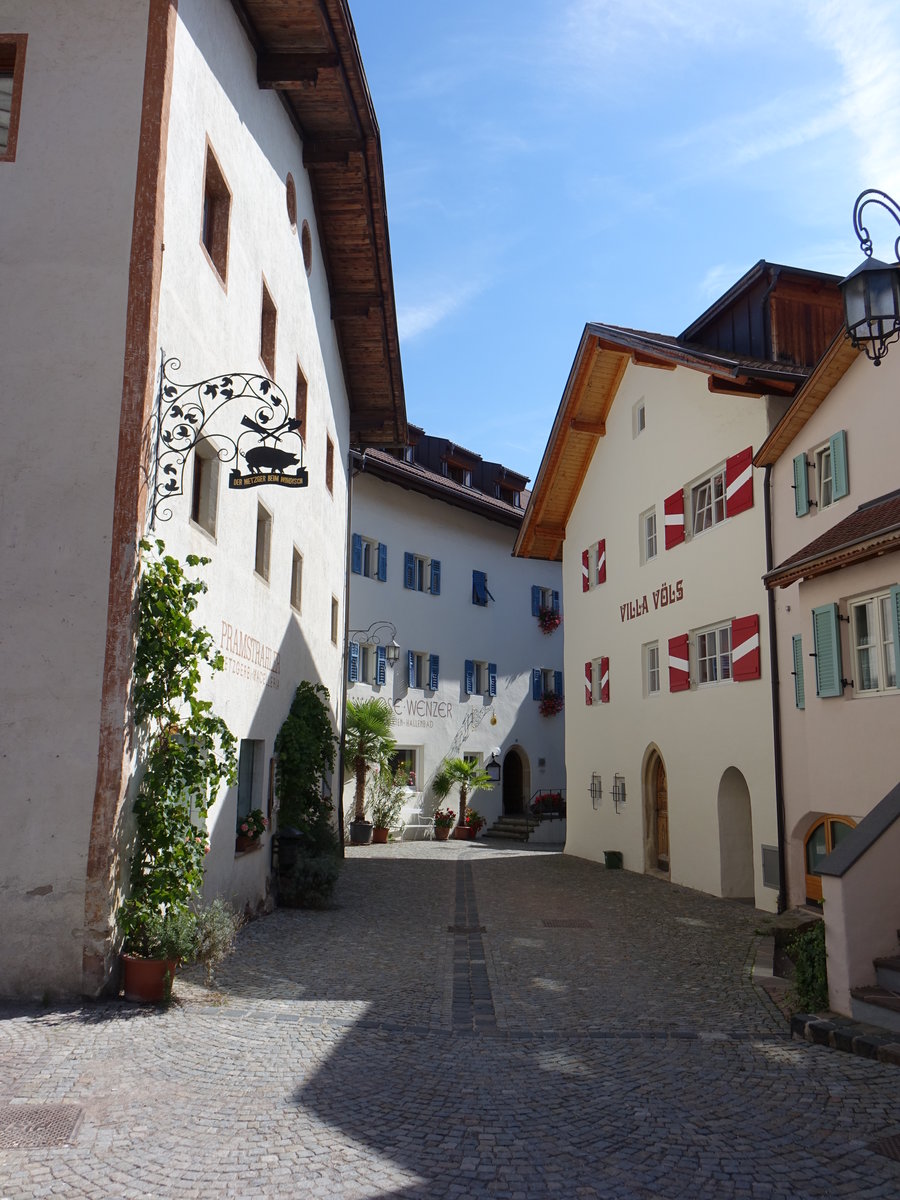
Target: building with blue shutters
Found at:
479, 637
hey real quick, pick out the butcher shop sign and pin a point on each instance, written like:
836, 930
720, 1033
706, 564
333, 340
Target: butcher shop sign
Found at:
238, 418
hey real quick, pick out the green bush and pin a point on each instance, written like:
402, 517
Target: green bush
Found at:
217, 925
807, 951
170, 935
310, 881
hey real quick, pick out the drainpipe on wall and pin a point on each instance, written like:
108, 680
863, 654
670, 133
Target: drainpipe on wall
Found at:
354, 458
776, 701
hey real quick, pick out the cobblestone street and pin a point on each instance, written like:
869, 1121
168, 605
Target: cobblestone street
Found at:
466, 1021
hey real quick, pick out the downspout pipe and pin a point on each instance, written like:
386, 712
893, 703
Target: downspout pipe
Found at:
776, 700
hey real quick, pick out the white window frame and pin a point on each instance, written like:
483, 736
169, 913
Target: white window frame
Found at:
421, 659
369, 558
482, 677
548, 681
367, 663
423, 573
651, 666
649, 535
714, 507
713, 665
639, 417
824, 476
296, 580
205, 489
546, 597
880, 646
262, 558
409, 756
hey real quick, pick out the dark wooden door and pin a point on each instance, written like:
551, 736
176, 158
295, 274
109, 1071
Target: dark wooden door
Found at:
662, 818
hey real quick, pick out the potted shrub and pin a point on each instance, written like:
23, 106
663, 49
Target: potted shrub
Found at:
386, 790
475, 821
467, 775
250, 830
367, 740
215, 930
444, 820
186, 754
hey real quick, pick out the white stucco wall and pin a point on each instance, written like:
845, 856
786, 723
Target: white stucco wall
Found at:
455, 629
67, 204
213, 330
841, 754
706, 732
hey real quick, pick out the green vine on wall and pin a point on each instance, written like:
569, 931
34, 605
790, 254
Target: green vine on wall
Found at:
305, 757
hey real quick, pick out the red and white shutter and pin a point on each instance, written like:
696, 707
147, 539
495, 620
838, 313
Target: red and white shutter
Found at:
739, 482
604, 681
601, 561
679, 664
673, 507
589, 683
745, 648
585, 570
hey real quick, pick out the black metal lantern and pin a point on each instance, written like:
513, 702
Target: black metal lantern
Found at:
871, 293
392, 651
492, 767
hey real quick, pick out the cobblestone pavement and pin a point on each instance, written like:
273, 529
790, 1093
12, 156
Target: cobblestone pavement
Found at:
465, 1022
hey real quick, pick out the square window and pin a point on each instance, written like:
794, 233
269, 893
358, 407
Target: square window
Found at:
250, 772
651, 669
205, 487
216, 213
649, 543
268, 322
714, 654
329, 464
263, 541
405, 758
296, 579
12, 70
872, 636
708, 502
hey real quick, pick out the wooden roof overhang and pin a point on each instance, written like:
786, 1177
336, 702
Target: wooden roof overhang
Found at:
832, 366
307, 51
418, 479
886, 541
603, 355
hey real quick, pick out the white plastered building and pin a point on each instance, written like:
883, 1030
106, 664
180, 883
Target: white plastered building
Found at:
183, 181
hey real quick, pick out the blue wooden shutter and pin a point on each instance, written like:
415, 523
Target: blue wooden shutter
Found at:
382, 561
433, 665
409, 571
557, 682
479, 588
411, 668
827, 642
356, 555
801, 486
380, 664
555, 602
537, 683
435, 577
492, 678
840, 484
353, 671
895, 627
535, 601
470, 676
799, 688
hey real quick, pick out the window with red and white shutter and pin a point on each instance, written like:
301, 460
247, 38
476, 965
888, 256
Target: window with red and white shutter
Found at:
679, 664
739, 482
745, 662
601, 561
673, 507
604, 681
589, 683
585, 570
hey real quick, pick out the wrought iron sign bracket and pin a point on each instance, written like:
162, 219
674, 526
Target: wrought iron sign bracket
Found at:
264, 444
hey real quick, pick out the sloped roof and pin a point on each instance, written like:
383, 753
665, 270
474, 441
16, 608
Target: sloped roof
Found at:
872, 530
307, 51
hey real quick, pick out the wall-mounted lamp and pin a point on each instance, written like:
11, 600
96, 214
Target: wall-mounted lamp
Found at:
493, 765
872, 292
596, 790
618, 791
376, 635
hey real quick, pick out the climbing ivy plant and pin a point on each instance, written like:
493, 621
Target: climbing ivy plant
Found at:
305, 756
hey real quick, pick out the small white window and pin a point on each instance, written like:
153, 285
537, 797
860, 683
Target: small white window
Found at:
296, 579
648, 535
420, 670
651, 669
639, 418
872, 635
708, 501
824, 477
714, 654
263, 541
205, 488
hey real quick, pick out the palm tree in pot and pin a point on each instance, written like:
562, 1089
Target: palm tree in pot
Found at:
464, 773
367, 740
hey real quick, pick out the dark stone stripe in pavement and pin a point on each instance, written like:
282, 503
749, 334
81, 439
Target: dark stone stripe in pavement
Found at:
472, 1006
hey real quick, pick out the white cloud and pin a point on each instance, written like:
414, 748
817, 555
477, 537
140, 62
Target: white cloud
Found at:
414, 319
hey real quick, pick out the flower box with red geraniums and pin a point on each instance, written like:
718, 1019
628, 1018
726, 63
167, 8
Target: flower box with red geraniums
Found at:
551, 703
549, 619
250, 829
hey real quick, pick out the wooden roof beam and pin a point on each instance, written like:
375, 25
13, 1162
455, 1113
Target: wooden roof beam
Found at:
345, 305
333, 153
641, 358
579, 425
289, 70
554, 532
742, 386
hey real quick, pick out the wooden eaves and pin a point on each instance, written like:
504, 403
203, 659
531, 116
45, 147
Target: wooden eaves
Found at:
307, 51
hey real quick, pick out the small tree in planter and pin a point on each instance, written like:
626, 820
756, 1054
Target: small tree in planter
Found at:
187, 753
386, 790
463, 773
367, 740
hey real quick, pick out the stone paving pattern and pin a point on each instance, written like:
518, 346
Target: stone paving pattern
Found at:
601, 1037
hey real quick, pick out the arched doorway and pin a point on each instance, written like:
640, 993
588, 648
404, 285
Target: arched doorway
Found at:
735, 837
656, 813
823, 835
516, 777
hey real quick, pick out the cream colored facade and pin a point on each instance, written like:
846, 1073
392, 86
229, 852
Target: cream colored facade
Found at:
714, 740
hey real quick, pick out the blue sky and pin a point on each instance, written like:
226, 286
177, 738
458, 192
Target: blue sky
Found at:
552, 162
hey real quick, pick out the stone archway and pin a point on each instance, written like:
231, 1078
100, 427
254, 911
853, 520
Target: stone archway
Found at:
735, 837
656, 812
516, 781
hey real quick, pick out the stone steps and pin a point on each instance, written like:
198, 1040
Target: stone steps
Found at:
516, 829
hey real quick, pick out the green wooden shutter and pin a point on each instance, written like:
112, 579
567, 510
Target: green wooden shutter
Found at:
799, 688
801, 486
840, 484
827, 642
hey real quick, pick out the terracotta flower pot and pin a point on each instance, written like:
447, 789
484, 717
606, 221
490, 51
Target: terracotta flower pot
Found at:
441, 833
462, 833
147, 980
379, 836
243, 842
